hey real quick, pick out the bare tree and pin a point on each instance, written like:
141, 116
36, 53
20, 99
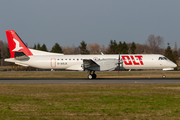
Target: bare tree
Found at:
4, 51
175, 52
93, 48
175, 47
67, 50
142, 49
71, 50
103, 48
75, 50
156, 43
179, 51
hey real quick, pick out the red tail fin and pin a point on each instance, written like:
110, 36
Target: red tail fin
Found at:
16, 44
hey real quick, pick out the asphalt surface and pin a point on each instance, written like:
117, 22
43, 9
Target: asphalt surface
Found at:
100, 80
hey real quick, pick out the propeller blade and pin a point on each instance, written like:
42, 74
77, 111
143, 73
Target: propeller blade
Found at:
119, 63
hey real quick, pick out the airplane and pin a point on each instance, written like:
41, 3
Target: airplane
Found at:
24, 56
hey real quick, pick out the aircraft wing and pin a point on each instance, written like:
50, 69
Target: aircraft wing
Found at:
89, 64
99, 65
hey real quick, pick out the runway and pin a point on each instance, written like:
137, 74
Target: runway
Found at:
100, 80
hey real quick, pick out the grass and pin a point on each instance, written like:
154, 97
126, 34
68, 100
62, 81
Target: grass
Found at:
89, 101
77, 74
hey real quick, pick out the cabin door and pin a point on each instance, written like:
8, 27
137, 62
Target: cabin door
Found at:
53, 62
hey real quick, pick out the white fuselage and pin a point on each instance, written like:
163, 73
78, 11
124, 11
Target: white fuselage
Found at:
75, 62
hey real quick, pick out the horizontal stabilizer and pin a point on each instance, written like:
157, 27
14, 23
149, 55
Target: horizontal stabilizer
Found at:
19, 55
21, 64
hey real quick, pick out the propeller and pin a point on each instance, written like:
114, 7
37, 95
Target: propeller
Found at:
119, 62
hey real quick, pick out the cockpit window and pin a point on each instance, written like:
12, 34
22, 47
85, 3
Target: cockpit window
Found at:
161, 58
165, 58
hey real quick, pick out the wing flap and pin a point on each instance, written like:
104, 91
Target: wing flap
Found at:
89, 64
99, 65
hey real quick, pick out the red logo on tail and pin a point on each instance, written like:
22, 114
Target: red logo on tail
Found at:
17, 47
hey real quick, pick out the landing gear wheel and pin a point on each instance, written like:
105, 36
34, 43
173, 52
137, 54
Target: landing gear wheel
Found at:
163, 76
94, 76
90, 76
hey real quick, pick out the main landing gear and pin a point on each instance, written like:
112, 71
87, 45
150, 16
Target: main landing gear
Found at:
92, 76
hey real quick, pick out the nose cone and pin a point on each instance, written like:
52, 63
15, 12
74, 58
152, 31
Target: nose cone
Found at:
174, 65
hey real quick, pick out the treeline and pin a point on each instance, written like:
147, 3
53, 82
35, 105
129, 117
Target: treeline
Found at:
153, 45
4, 52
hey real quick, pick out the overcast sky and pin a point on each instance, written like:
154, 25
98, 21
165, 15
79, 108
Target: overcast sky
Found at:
68, 22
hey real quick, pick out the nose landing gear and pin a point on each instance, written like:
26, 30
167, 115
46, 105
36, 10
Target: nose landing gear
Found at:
164, 76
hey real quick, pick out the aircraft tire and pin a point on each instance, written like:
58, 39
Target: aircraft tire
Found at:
163, 76
90, 76
94, 76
